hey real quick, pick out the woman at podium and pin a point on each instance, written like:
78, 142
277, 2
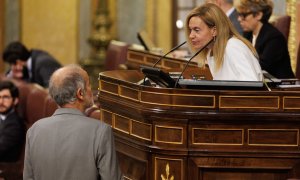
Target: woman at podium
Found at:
228, 55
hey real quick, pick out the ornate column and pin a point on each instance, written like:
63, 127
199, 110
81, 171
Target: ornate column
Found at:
98, 41
291, 10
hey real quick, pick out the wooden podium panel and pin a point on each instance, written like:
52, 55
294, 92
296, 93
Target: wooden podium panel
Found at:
187, 134
136, 58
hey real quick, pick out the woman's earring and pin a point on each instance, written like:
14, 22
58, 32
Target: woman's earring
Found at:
214, 38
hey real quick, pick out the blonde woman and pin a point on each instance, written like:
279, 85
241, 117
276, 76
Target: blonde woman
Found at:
229, 56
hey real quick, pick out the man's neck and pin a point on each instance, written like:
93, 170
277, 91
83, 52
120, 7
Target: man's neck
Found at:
226, 7
74, 105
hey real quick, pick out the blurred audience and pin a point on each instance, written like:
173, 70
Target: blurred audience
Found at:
228, 7
12, 128
268, 41
29, 65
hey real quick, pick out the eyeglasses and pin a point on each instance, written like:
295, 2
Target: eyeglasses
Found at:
244, 15
5, 98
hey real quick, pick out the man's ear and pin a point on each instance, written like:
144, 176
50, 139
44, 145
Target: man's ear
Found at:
16, 101
80, 94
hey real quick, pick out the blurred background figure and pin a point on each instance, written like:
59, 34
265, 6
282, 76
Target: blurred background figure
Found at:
228, 7
30, 65
12, 128
268, 41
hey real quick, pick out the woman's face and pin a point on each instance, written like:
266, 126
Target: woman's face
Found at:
249, 21
199, 33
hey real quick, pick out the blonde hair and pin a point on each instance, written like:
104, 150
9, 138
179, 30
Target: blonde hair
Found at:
214, 17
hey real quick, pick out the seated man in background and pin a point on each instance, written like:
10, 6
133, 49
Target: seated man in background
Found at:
12, 129
69, 145
230, 11
33, 66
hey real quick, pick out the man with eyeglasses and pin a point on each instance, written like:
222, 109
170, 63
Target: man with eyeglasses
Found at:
12, 129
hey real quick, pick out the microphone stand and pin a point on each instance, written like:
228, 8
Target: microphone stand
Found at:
168, 53
173, 49
191, 59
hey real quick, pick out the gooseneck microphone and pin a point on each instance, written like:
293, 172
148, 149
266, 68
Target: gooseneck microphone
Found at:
173, 49
176, 47
191, 59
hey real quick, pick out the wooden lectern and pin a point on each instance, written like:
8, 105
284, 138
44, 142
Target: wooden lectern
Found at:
188, 134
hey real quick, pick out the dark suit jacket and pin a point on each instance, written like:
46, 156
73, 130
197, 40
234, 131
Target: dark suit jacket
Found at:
234, 19
12, 136
272, 50
43, 65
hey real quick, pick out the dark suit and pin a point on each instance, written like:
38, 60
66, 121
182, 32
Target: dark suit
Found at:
272, 50
43, 65
12, 132
69, 145
234, 19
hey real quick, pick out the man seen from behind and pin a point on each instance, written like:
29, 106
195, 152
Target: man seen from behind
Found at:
69, 145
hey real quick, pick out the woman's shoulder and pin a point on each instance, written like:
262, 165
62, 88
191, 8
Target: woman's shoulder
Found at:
236, 43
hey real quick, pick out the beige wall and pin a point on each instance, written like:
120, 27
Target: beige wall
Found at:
163, 24
163, 18
158, 24
51, 25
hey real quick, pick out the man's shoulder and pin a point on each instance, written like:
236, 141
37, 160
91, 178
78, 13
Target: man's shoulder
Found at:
234, 14
13, 123
38, 52
15, 118
96, 122
75, 119
40, 56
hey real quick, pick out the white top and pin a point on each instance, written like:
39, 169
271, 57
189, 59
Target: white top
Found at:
253, 40
239, 63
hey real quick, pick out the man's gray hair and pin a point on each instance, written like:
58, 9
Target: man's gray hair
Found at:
64, 90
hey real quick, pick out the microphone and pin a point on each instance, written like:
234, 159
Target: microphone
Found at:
176, 47
191, 59
173, 49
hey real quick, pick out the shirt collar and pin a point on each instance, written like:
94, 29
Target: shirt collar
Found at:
29, 66
4, 116
230, 11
